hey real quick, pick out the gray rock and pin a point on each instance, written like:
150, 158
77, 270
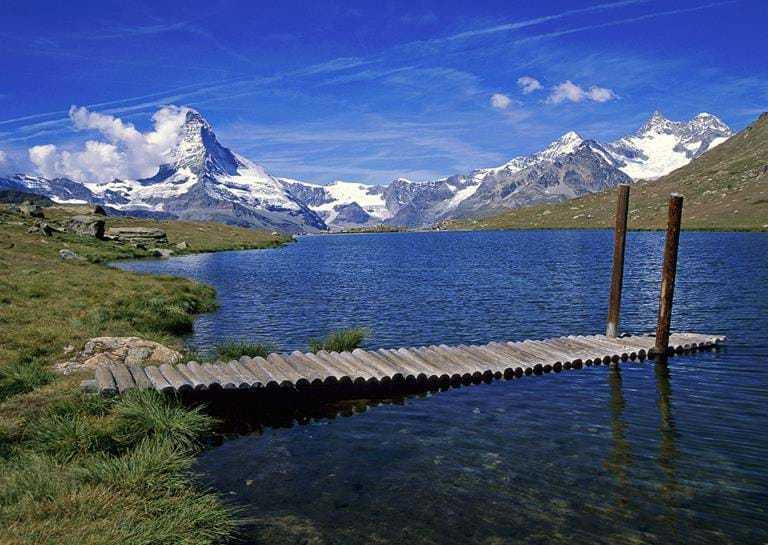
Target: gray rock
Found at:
43, 228
99, 210
109, 350
31, 210
85, 226
69, 255
161, 252
138, 235
182, 245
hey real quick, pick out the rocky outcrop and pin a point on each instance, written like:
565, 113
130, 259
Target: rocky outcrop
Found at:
85, 226
43, 228
138, 235
31, 210
127, 350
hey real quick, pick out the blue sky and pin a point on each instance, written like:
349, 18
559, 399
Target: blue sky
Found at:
370, 91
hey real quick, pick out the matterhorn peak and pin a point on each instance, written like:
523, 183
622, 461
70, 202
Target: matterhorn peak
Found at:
199, 150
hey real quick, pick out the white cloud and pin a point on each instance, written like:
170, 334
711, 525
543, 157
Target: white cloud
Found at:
569, 91
528, 84
500, 101
3, 157
126, 154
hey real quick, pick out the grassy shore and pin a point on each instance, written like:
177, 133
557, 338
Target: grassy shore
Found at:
77, 468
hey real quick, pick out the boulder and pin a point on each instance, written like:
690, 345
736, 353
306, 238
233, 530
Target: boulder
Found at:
138, 235
161, 252
128, 350
183, 245
85, 226
44, 228
31, 210
69, 255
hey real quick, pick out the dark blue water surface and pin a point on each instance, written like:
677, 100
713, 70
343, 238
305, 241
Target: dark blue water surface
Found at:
635, 455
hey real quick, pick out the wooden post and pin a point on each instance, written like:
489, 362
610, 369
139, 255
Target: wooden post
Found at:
617, 275
675, 215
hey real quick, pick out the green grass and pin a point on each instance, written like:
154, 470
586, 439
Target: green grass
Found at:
87, 470
341, 340
143, 414
233, 349
19, 377
78, 468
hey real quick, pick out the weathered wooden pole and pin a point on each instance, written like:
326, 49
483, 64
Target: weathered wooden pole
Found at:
675, 215
617, 276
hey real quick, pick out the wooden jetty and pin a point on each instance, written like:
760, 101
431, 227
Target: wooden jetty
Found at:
448, 365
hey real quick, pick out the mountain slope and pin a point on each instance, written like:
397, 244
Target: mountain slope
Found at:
342, 204
584, 168
726, 188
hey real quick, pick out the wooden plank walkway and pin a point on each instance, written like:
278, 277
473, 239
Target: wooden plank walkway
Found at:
449, 364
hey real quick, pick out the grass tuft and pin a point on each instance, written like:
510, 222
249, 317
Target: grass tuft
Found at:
154, 463
341, 340
65, 437
232, 349
146, 413
20, 377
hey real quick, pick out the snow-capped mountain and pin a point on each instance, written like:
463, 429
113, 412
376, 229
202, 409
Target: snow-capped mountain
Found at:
580, 168
570, 166
202, 180
64, 189
562, 146
661, 146
342, 204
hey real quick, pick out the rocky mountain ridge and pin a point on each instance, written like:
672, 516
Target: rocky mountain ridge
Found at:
204, 180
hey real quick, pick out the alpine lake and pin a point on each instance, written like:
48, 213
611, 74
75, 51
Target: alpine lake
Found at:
633, 454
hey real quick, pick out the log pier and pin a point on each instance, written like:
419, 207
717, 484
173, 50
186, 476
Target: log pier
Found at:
441, 365
403, 368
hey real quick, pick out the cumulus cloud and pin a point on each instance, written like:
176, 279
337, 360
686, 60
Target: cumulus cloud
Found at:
500, 101
122, 152
528, 84
570, 92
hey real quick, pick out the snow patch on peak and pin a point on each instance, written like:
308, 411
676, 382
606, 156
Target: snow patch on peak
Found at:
661, 146
562, 146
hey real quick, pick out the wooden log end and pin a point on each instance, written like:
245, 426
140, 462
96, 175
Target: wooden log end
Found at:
89, 386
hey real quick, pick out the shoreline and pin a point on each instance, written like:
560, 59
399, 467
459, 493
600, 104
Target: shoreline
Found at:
66, 442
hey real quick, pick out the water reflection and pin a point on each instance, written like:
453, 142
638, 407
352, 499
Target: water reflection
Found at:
668, 451
619, 457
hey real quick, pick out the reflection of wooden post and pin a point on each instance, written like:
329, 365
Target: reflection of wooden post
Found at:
617, 275
675, 215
